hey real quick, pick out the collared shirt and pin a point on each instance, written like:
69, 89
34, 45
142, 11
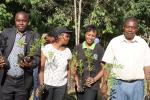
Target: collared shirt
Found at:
128, 58
55, 70
15, 69
97, 53
84, 45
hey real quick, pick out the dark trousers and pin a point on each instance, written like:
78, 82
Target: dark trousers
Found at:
13, 89
89, 94
28, 84
54, 93
0, 91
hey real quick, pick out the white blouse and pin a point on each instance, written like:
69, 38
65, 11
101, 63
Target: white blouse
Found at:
55, 70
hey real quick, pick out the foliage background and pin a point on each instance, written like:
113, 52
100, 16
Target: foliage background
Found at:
107, 15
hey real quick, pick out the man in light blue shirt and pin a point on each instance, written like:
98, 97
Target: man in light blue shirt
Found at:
17, 77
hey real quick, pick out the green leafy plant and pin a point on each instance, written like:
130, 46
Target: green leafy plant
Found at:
76, 64
33, 49
73, 61
80, 68
77, 68
111, 81
43, 41
112, 76
89, 56
21, 42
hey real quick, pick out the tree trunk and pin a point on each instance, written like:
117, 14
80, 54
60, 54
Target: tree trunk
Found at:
75, 21
97, 1
79, 20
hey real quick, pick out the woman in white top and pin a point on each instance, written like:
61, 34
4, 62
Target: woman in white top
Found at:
54, 65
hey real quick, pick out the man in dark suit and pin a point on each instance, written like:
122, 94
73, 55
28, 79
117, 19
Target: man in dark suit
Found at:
17, 80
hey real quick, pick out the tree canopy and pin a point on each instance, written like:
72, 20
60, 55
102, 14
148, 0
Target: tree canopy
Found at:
107, 15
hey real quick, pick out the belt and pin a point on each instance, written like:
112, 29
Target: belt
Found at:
1, 67
128, 81
13, 77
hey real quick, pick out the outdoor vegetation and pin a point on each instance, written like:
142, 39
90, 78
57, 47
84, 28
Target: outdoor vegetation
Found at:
107, 15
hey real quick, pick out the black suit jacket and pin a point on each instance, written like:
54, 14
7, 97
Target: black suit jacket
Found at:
10, 34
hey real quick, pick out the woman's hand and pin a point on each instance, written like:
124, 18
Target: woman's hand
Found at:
39, 90
77, 85
89, 81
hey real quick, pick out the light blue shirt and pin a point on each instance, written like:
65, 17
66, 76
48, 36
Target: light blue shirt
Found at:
15, 70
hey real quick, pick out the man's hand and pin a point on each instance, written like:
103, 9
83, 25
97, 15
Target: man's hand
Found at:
147, 77
104, 89
148, 87
148, 91
2, 62
26, 64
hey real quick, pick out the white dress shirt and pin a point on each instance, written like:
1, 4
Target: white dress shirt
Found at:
130, 56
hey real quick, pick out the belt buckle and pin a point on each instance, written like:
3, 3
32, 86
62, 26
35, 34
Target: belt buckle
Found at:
129, 81
15, 77
18, 77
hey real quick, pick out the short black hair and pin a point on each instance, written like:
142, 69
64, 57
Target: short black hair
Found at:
22, 12
130, 19
90, 28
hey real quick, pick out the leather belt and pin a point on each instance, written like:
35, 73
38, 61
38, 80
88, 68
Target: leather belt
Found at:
128, 81
1, 67
13, 77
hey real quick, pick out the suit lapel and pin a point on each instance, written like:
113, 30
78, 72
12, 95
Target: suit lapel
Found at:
10, 41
